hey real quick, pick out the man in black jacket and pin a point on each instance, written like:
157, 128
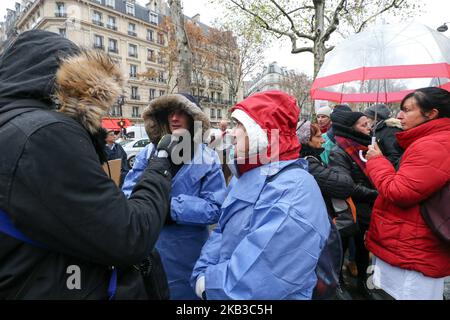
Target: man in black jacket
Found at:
385, 131
115, 151
52, 185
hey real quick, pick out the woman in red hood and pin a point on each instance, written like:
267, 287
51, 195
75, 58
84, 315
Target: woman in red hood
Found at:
410, 260
274, 222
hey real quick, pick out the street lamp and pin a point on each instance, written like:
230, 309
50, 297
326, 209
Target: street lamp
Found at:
443, 27
120, 103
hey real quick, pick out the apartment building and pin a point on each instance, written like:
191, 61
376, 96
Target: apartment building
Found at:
133, 35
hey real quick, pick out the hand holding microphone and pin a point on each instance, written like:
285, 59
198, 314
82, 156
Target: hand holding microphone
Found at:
166, 145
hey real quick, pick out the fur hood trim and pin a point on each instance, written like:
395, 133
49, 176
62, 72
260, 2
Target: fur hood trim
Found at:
87, 85
155, 116
393, 123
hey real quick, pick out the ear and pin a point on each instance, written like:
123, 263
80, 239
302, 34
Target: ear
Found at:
433, 114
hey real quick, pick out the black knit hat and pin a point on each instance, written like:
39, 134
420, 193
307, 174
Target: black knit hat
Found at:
346, 118
191, 98
382, 110
341, 107
342, 124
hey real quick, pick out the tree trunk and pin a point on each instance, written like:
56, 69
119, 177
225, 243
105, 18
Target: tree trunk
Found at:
319, 50
184, 51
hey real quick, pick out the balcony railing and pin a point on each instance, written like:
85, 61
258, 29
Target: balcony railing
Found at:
132, 33
136, 97
112, 27
160, 80
133, 75
132, 55
215, 85
61, 14
113, 50
99, 46
199, 83
98, 23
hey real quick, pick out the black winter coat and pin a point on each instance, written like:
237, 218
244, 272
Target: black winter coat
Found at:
363, 194
387, 141
55, 191
332, 182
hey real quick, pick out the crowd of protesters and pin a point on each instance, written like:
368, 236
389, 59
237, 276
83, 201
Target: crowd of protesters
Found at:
251, 216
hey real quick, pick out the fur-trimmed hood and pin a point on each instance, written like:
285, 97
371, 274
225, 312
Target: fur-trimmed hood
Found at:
87, 85
156, 114
44, 66
393, 123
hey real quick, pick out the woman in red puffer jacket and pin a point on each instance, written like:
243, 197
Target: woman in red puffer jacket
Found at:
410, 260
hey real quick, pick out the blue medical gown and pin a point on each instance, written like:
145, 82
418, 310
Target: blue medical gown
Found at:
269, 237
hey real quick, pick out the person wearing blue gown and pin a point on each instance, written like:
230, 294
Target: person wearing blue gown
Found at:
198, 187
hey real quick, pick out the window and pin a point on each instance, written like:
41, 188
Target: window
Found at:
141, 143
112, 46
38, 14
212, 96
161, 39
132, 50
219, 113
150, 36
115, 111
130, 8
133, 71
153, 17
161, 77
151, 94
60, 10
160, 58
97, 18
112, 23
62, 32
132, 29
212, 113
136, 114
162, 92
150, 55
110, 3
134, 93
98, 42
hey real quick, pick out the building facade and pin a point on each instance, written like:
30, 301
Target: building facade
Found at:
274, 77
133, 35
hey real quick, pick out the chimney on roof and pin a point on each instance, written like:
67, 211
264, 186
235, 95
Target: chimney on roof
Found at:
196, 18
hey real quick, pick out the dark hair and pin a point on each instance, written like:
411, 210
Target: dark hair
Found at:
431, 98
314, 129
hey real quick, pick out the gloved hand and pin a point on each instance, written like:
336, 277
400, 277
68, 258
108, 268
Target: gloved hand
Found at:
164, 151
166, 145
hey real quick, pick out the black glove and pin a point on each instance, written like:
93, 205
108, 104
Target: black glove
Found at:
161, 160
166, 145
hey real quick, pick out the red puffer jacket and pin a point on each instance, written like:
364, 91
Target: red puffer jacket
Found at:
398, 234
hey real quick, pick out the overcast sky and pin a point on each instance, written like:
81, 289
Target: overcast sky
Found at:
435, 12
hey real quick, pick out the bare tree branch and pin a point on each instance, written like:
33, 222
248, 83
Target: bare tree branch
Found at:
394, 4
334, 21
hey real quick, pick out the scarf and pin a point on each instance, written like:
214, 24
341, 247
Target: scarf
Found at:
308, 151
352, 148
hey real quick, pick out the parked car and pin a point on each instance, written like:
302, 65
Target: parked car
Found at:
133, 147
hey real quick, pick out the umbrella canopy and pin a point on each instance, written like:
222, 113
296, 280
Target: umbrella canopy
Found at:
383, 64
